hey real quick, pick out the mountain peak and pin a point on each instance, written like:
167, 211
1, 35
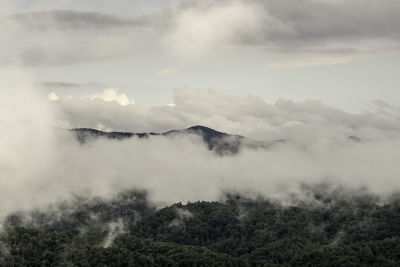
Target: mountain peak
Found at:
203, 129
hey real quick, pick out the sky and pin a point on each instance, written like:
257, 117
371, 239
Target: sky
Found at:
344, 53
321, 74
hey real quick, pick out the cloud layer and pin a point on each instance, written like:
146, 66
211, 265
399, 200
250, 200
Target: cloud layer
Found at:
42, 164
246, 115
70, 20
329, 28
195, 29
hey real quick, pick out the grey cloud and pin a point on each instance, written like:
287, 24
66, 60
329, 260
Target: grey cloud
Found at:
65, 37
71, 19
67, 85
307, 21
297, 26
196, 28
59, 84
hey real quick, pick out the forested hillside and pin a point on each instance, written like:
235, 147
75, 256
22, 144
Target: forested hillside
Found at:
330, 228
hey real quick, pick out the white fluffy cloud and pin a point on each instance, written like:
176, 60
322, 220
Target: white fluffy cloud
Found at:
247, 115
196, 29
110, 95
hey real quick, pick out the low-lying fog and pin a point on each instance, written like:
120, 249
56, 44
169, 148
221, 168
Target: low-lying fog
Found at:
41, 162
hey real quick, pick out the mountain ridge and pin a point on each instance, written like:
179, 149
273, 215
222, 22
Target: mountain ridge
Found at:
221, 142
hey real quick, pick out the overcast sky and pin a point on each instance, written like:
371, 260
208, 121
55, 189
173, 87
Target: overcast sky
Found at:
313, 72
344, 53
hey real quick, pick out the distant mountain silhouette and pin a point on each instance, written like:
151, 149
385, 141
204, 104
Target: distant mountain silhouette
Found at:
220, 142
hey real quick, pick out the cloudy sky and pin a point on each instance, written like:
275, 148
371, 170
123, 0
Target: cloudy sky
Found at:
313, 72
344, 53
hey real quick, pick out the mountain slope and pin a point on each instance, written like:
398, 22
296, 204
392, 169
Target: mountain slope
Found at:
335, 228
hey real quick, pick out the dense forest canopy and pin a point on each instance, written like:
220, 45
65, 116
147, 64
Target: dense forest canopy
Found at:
333, 227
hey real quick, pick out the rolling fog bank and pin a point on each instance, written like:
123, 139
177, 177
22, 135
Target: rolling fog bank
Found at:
41, 163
